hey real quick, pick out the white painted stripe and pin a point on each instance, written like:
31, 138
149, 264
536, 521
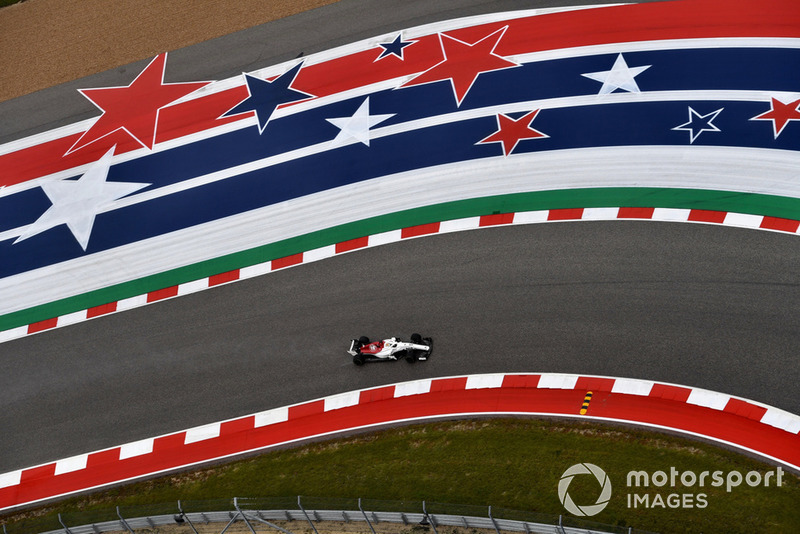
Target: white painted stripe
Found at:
600, 214
342, 400
485, 381
68, 465
385, 238
10, 479
13, 333
136, 448
781, 419
270, 417
132, 302
412, 388
671, 214
743, 220
258, 269
319, 253
72, 318
202, 433
557, 381
531, 217
192, 287
630, 386
459, 225
708, 399
659, 45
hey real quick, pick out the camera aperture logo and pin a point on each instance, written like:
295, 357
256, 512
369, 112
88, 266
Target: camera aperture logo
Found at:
645, 489
588, 509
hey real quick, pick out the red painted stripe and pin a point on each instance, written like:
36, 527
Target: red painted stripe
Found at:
353, 244
42, 325
422, 229
161, 294
783, 225
745, 409
237, 426
103, 309
594, 383
707, 216
447, 384
565, 214
521, 381
304, 410
376, 394
102, 459
223, 278
288, 261
665, 391
635, 213
496, 218
37, 473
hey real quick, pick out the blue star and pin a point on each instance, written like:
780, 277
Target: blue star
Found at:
266, 96
395, 47
699, 123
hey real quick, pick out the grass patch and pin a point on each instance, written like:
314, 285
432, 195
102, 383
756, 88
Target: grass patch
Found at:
512, 464
4, 3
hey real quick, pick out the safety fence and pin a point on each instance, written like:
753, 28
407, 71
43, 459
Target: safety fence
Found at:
308, 514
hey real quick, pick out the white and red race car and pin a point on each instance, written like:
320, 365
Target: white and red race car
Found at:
363, 350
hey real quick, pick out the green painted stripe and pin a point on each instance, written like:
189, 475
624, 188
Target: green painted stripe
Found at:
747, 203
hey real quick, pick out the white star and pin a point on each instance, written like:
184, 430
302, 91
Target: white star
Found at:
699, 123
357, 127
77, 202
619, 77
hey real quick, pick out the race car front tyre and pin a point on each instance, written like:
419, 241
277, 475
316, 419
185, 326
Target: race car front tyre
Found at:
359, 359
411, 357
363, 340
416, 339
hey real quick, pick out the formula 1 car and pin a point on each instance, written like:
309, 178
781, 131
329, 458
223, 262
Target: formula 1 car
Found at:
393, 348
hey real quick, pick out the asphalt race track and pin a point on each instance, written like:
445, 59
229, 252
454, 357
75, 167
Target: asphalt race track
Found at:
691, 304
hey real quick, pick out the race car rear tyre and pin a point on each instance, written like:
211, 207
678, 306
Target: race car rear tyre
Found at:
359, 359
416, 339
363, 340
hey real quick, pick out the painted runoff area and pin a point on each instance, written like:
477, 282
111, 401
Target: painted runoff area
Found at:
756, 428
395, 137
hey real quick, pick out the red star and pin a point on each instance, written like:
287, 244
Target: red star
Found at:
463, 62
134, 108
510, 131
780, 114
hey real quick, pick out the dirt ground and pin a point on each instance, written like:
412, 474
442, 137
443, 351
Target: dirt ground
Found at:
47, 42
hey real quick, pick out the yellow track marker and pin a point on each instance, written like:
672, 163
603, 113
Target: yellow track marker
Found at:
586, 401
